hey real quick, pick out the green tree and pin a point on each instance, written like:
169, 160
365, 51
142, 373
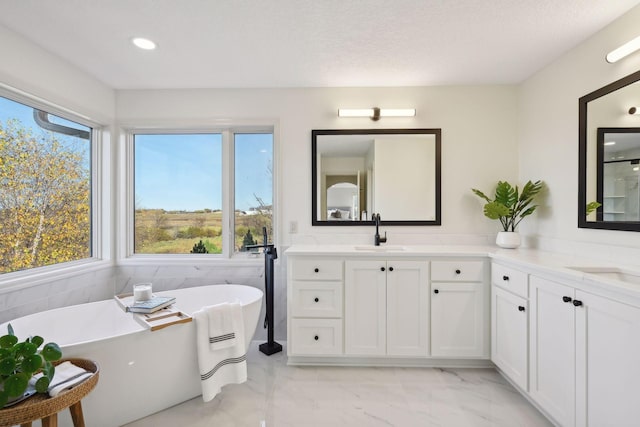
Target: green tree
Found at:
44, 200
199, 248
247, 241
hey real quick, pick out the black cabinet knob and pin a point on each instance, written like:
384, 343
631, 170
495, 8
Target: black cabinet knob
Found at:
316, 270
390, 268
520, 308
435, 291
316, 299
316, 338
458, 272
566, 299
577, 303
381, 268
505, 278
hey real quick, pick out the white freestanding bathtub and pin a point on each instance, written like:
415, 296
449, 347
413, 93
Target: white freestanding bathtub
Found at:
141, 372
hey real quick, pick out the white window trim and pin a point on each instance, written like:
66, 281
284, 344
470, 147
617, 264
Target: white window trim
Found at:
100, 212
126, 221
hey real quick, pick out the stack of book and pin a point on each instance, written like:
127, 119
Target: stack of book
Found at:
145, 307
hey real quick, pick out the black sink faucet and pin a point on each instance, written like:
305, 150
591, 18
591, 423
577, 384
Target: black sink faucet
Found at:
377, 238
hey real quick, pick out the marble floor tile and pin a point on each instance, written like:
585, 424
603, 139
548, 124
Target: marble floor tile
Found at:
277, 395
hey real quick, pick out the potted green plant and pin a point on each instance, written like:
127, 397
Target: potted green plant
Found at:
21, 360
510, 206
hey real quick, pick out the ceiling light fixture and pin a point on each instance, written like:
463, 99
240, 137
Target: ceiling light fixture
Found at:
634, 111
610, 143
375, 113
626, 49
143, 43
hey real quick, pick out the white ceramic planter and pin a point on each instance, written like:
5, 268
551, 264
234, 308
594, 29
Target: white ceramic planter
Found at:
508, 239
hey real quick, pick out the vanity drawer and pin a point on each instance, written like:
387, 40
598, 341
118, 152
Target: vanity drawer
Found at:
316, 269
457, 271
316, 336
508, 278
317, 299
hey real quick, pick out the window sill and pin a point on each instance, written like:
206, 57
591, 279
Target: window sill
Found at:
191, 260
10, 282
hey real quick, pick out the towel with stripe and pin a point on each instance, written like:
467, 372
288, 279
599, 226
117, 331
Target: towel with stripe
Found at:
222, 357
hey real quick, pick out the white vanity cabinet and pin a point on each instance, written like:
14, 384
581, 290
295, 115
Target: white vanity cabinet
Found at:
510, 323
458, 326
316, 307
386, 307
585, 350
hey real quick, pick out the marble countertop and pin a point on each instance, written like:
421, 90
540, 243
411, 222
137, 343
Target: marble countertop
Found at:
556, 266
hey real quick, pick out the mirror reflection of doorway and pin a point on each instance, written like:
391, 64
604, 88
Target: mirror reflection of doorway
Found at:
344, 197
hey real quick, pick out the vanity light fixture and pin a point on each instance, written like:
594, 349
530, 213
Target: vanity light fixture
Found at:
634, 111
375, 113
626, 49
143, 43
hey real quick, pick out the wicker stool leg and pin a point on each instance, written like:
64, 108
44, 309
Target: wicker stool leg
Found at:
76, 414
50, 421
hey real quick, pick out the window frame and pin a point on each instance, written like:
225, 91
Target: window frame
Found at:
126, 250
99, 214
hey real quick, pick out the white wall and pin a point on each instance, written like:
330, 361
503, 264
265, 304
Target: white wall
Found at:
478, 144
548, 142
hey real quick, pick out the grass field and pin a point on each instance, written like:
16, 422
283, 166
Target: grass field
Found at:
162, 232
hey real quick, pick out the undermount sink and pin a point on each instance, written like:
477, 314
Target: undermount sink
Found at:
381, 248
611, 273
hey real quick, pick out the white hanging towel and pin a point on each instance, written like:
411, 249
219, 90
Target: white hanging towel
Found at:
222, 358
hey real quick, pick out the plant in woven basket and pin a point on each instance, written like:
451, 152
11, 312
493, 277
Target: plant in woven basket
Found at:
19, 361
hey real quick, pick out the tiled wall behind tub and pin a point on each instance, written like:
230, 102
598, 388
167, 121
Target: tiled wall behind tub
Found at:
46, 295
168, 277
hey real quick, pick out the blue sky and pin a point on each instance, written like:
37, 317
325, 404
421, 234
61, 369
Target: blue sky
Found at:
184, 172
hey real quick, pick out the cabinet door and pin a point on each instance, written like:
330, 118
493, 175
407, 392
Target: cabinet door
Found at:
509, 335
552, 349
365, 299
457, 319
407, 308
607, 362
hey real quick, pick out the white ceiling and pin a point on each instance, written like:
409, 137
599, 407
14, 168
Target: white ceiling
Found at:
309, 43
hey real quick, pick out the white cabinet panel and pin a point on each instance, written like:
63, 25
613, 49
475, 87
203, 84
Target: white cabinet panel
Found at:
510, 335
511, 279
607, 362
407, 308
552, 349
316, 269
365, 298
457, 271
457, 320
316, 336
316, 299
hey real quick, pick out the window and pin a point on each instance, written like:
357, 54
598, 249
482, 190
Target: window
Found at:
45, 188
186, 185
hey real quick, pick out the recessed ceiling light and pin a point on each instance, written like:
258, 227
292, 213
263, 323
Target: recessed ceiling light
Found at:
143, 43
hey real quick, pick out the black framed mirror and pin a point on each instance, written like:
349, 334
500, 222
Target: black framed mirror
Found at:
358, 172
609, 156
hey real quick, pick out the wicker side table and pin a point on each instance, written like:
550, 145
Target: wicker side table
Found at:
41, 406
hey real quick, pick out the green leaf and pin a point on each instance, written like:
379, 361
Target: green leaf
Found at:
506, 194
481, 194
16, 384
4, 398
10, 329
495, 210
7, 365
31, 363
592, 207
27, 349
37, 340
7, 341
51, 351
42, 385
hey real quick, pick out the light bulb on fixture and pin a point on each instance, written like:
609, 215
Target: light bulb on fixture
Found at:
624, 50
143, 43
375, 113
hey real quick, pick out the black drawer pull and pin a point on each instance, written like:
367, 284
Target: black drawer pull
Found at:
505, 278
566, 299
382, 268
316, 270
577, 303
520, 308
316, 299
435, 291
458, 271
316, 338
390, 268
